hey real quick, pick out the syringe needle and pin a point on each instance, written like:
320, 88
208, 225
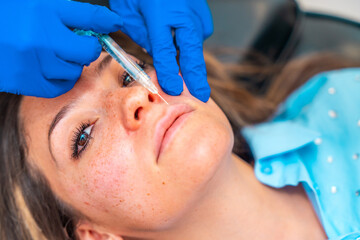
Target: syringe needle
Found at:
163, 99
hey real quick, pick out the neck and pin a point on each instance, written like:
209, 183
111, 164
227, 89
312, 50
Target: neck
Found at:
237, 206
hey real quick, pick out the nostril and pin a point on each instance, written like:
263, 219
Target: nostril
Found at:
137, 112
151, 98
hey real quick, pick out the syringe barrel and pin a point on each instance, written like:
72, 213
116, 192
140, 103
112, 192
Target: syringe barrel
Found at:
121, 57
127, 63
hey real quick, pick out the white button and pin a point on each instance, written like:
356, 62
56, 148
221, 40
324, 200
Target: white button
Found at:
331, 90
267, 170
317, 189
333, 189
359, 123
355, 156
318, 141
332, 114
330, 159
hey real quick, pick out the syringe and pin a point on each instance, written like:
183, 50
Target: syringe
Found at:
129, 65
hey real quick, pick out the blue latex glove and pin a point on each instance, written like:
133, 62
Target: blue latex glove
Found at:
39, 54
150, 23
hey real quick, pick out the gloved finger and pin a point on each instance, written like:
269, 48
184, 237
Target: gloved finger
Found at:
53, 67
134, 23
192, 62
89, 17
71, 47
140, 36
208, 26
54, 88
204, 14
164, 57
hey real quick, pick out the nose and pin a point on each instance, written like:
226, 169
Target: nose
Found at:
135, 105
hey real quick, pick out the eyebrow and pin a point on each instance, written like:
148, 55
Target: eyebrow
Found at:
60, 115
104, 63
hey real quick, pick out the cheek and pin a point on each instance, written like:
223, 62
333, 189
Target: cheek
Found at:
106, 174
105, 169
116, 195
114, 185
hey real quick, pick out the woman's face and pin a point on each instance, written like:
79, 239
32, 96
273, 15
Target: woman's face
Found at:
120, 155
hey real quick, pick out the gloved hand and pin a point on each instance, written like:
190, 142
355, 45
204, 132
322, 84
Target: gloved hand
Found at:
39, 54
150, 23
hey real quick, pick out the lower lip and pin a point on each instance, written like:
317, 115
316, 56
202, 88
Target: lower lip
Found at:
169, 134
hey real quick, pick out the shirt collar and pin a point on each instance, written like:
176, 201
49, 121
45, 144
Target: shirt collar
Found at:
274, 138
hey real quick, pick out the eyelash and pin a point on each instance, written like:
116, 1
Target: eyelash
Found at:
76, 139
126, 79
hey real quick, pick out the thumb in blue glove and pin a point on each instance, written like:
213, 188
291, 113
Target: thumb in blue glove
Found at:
150, 24
40, 55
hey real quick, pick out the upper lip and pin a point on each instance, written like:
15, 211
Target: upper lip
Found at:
173, 112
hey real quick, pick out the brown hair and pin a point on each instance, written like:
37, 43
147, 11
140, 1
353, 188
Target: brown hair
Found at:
28, 208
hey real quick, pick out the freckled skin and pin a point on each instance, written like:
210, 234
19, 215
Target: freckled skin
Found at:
116, 182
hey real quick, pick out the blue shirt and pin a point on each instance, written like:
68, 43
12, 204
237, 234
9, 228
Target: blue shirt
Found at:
314, 139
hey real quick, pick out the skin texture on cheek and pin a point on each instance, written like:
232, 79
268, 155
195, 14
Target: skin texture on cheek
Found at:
112, 183
103, 171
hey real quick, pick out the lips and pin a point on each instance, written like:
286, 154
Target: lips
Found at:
167, 125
